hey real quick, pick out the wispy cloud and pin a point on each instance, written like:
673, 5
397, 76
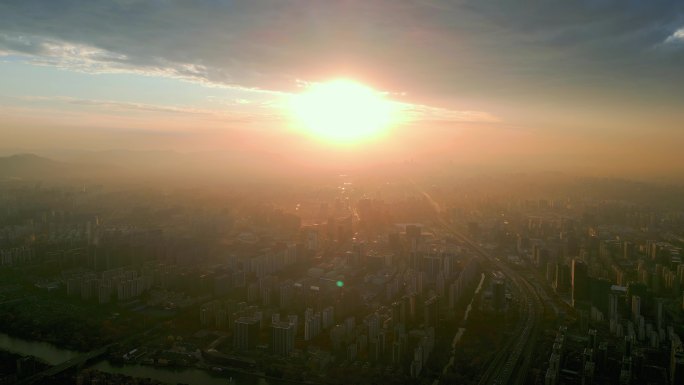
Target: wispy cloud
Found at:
117, 106
459, 50
677, 37
480, 46
90, 59
419, 112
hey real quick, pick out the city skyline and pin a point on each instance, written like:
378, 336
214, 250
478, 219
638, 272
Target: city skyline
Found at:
333, 192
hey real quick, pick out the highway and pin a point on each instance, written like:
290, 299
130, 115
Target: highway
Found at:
510, 364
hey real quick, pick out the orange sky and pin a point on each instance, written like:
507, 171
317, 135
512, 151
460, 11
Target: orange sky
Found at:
594, 87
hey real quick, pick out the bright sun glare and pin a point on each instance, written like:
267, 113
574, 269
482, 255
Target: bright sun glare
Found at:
342, 111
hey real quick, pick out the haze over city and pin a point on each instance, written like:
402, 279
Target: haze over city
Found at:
267, 192
589, 88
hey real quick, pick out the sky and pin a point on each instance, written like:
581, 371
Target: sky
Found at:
594, 85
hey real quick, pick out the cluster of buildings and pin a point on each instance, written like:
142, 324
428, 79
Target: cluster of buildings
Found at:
378, 303
116, 284
11, 256
621, 271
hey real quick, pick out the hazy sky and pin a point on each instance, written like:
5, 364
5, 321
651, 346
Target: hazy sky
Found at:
596, 84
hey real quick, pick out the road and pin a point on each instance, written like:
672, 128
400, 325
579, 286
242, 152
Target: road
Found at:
510, 364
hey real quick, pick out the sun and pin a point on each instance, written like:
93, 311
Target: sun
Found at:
342, 111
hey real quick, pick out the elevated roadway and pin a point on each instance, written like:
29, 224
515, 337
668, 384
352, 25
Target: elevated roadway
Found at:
510, 364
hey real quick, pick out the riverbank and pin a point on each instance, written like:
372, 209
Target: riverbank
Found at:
15, 366
53, 355
69, 325
47, 352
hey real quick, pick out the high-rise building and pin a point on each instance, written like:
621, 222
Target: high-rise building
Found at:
104, 291
659, 314
636, 308
580, 282
331, 228
550, 378
312, 324
223, 284
411, 306
599, 291
312, 239
399, 313
431, 310
286, 293
351, 352
373, 326
282, 338
561, 278
551, 271
294, 320
413, 231
328, 317
394, 242
676, 360
613, 306
588, 373
245, 333
440, 283
397, 352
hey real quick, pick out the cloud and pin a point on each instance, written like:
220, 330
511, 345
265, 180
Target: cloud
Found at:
470, 48
418, 112
152, 113
111, 105
91, 59
94, 60
677, 37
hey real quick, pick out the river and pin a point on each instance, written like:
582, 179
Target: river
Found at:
54, 356
46, 352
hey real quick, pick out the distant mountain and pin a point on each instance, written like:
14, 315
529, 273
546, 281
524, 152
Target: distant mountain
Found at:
211, 166
116, 166
31, 166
